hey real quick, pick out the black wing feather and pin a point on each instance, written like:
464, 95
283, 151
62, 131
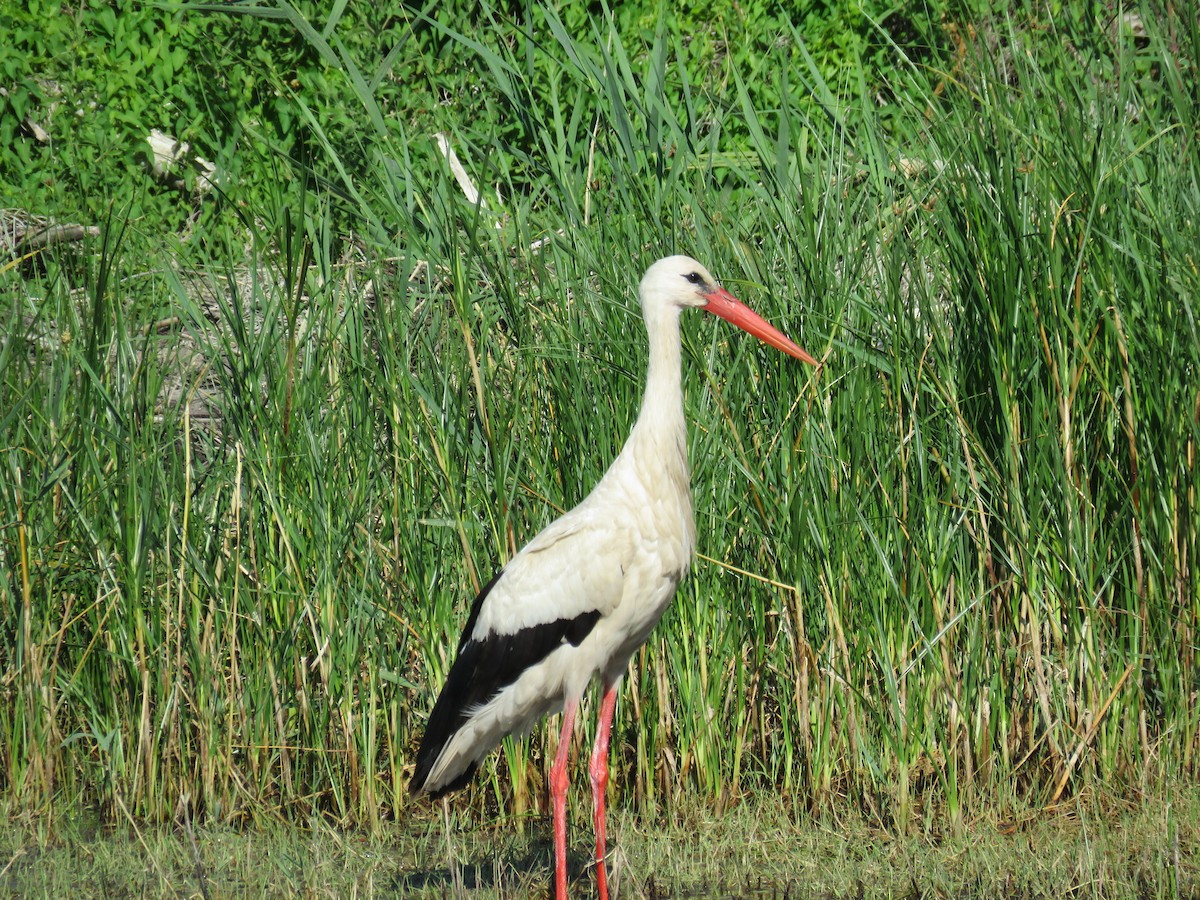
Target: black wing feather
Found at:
483, 668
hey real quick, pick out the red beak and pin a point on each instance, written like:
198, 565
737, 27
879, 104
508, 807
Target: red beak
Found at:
734, 311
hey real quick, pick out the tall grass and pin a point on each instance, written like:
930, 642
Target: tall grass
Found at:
951, 568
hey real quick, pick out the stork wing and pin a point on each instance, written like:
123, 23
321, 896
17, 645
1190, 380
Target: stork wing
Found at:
576, 565
553, 592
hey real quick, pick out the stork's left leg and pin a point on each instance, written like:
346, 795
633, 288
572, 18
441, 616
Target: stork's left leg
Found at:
599, 773
558, 798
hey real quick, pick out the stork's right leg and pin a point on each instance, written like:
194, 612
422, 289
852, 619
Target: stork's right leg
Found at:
599, 773
558, 796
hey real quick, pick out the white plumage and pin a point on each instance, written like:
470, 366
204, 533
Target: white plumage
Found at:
584, 594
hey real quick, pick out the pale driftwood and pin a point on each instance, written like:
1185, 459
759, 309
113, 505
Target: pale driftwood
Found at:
460, 174
36, 131
168, 154
32, 128
472, 193
456, 167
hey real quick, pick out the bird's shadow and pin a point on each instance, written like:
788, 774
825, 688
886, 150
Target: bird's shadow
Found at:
509, 874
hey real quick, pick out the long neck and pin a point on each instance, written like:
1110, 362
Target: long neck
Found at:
660, 431
650, 476
662, 405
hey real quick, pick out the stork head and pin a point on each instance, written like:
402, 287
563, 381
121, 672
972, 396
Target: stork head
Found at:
678, 281
681, 282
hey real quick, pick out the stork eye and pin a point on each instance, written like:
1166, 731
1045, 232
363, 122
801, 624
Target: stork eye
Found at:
694, 278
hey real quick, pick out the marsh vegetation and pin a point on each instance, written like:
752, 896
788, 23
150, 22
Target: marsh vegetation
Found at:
260, 446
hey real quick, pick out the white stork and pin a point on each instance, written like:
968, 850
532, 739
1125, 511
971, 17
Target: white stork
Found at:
584, 594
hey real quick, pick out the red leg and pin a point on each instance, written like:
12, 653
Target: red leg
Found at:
558, 797
599, 773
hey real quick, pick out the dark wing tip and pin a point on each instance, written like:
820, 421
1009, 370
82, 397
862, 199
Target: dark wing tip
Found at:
416, 787
485, 665
448, 711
